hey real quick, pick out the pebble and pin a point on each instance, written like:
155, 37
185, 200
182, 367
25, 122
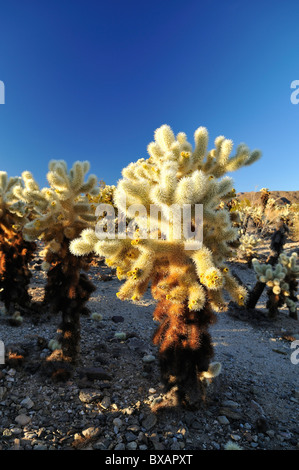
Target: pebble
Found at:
100, 446
132, 445
106, 402
91, 432
16, 431
254, 444
230, 404
285, 435
149, 422
229, 413
148, 358
133, 428
88, 396
235, 437
22, 419
117, 422
120, 446
27, 403
223, 419
130, 437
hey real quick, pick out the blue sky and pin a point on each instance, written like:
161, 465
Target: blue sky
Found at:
92, 80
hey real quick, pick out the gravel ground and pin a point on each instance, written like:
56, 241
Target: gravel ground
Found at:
107, 403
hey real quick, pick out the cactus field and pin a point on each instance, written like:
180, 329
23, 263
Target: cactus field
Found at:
151, 342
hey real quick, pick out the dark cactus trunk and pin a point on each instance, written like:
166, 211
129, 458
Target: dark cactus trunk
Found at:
293, 284
15, 275
273, 304
67, 291
185, 347
278, 240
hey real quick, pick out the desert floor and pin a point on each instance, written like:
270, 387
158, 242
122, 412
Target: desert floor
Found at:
107, 403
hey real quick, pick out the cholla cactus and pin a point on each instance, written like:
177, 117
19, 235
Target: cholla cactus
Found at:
62, 212
15, 252
248, 247
265, 194
281, 281
105, 196
187, 278
295, 227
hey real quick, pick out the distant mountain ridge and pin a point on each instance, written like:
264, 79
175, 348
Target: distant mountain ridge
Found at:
282, 197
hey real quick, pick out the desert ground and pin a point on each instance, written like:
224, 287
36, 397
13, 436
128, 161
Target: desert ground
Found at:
108, 401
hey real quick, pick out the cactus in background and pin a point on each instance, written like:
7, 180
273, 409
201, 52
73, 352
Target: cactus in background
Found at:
62, 211
248, 247
282, 283
104, 196
187, 278
295, 227
15, 252
265, 194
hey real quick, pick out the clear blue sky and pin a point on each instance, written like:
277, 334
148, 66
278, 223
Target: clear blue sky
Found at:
92, 80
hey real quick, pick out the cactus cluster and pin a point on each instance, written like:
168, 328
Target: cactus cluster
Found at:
61, 212
15, 252
248, 246
281, 280
266, 216
187, 277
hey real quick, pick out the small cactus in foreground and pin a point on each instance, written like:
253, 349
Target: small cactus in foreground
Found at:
62, 211
282, 283
15, 252
187, 279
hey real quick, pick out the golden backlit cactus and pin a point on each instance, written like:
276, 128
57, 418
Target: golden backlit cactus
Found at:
187, 277
62, 211
15, 252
